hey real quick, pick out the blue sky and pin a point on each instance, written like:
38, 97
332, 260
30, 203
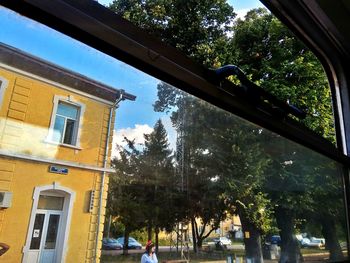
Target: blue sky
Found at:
132, 117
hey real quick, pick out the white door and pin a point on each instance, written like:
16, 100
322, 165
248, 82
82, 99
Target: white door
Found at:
50, 237
45, 236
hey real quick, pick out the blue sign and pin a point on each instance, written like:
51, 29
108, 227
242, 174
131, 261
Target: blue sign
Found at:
58, 169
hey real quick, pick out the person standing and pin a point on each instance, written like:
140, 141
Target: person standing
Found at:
149, 256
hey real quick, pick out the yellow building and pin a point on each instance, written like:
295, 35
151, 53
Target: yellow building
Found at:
55, 137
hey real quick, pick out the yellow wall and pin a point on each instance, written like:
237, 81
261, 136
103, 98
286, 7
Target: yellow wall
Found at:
28, 104
25, 116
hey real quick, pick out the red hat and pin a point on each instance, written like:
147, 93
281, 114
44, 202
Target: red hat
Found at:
149, 243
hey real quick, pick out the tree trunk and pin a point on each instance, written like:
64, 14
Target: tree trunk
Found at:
252, 240
157, 240
149, 232
126, 241
199, 243
290, 250
330, 234
194, 236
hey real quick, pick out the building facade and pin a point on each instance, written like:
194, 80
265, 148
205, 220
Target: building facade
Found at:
55, 136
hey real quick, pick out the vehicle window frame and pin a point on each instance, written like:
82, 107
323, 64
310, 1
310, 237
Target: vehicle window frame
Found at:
100, 28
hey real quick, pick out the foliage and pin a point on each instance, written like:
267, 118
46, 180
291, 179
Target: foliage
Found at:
273, 57
141, 188
221, 160
194, 27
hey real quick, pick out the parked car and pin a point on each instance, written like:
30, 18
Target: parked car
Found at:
111, 244
313, 242
273, 240
223, 240
132, 244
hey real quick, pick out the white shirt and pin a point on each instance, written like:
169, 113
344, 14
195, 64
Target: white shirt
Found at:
149, 259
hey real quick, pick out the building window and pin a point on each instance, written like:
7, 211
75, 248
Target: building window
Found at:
66, 124
3, 85
66, 121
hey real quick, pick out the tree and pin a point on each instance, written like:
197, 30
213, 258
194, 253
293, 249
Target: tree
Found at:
235, 158
125, 198
328, 210
276, 60
282, 65
197, 28
157, 173
142, 188
273, 58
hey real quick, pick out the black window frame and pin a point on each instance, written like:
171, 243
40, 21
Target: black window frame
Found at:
95, 25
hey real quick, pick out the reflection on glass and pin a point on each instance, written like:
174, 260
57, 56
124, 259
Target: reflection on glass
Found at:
37, 231
65, 123
233, 187
49, 202
69, 133
52, 231
58, 129
68, 111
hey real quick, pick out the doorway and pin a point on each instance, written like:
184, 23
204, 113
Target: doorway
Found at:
49, 227
46, 231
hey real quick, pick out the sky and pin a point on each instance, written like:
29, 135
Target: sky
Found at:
133, 119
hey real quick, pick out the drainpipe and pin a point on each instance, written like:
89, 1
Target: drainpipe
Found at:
114, 107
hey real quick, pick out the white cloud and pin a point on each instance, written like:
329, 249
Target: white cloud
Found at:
131, 133
170, 131
241, 13
137, 133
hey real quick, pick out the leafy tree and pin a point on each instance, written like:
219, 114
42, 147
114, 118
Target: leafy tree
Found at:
273, 58
197, 28
239, 162
328, 206
202, 194
281, 64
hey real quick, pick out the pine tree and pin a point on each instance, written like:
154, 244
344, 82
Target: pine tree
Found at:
157, 173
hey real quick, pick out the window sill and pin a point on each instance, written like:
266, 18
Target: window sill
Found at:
64, 145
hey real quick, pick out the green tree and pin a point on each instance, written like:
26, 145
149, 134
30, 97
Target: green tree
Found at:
142, 188
236, 160
202, 194
272, 57
126, 198
157, 173
276, 60
281, 64
198, 28
328, 206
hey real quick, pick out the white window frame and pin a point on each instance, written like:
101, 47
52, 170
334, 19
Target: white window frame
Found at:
3, 86
70, 101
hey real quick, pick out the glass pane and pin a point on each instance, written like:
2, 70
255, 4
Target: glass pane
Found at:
67, 110
52, 231
69, 133
37, 231
58, 129
49, 202
205, 183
